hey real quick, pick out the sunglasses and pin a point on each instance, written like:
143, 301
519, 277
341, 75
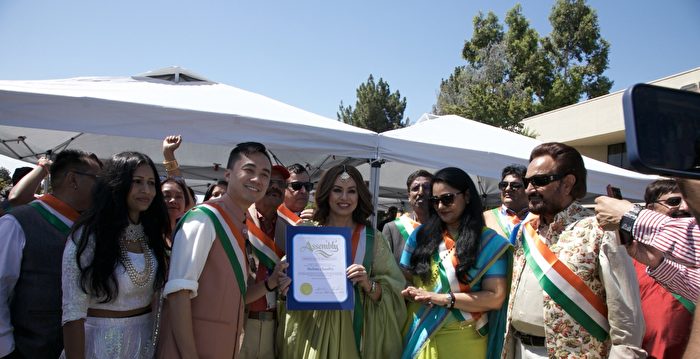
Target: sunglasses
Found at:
541, 180
447, 199
295, 186
513, 185
670, 202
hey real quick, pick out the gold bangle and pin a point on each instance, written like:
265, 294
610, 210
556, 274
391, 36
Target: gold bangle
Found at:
171, 165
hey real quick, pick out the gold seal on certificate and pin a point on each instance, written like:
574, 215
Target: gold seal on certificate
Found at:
318, 258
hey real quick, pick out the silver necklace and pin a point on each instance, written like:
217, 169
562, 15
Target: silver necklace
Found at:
134, 233
139, 279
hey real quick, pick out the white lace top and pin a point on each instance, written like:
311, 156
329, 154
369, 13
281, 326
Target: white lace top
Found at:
76, 302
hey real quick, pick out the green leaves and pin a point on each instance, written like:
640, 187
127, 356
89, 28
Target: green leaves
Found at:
514, 74
376, 108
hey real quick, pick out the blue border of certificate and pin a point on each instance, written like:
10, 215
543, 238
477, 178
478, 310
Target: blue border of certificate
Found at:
292, 302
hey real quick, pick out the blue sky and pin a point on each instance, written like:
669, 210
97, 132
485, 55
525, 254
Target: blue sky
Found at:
311, 53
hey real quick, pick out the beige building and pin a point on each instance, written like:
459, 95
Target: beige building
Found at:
596, 127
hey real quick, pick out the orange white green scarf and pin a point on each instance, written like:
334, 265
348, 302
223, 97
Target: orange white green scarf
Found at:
287, 215
60, 215
230, 237
563, 285
406, 226
268, 253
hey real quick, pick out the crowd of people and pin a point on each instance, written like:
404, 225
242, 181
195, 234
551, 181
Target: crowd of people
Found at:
116, 261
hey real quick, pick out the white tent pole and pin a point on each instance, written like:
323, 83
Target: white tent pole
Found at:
374, 187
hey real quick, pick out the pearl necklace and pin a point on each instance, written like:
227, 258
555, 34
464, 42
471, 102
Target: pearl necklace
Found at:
139, 279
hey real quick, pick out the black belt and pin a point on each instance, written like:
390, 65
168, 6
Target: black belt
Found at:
262, 315
528, 339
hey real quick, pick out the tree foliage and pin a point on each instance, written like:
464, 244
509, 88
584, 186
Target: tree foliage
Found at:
376, 108
5, 178
513, 74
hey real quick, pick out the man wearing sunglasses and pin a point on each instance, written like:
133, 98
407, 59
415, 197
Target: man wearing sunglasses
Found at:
296, 195
666, 315
514, 202
574, 291
665, 197
398, 231
265, 236
667, 246
32, 238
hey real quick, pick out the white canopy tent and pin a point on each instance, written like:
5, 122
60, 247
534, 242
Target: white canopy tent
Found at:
11, 164
106, 115
483, 150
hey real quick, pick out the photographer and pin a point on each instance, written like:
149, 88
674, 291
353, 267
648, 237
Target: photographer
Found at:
666, 245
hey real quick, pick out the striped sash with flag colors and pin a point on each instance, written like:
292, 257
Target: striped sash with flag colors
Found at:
406, 226
264, 247
362, 253
563, 285
288, 216
230, 237
58, 214
508, 223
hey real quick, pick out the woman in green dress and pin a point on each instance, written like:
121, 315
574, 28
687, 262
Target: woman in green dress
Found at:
373, 328
457, 269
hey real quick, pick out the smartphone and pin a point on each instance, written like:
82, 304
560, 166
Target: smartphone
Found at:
663, 130
614, 192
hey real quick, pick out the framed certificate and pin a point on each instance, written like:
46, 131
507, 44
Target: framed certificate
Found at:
318, 258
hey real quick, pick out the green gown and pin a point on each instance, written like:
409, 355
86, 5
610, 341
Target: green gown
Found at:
329, 333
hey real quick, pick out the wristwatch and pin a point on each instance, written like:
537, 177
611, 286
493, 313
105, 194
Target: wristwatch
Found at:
627, 224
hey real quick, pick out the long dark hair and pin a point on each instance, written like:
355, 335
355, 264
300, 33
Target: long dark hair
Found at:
471, 224
107, 219
325, 185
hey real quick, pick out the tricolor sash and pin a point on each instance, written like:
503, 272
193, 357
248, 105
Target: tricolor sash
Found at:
288, 216
229, 235
564, 286
429, 320
264, 247
506, 227
362, 253
57, 213
406, 226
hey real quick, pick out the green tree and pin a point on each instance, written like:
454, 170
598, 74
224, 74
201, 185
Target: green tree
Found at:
376, 108
5, 178
481, 93
513, 74
578, 53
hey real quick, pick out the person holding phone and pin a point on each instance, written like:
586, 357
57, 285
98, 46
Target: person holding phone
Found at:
664, 244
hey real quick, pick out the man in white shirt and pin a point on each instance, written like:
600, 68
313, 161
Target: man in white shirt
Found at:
203, 314
31, 251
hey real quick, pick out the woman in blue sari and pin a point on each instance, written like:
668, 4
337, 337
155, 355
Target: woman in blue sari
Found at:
457, 269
